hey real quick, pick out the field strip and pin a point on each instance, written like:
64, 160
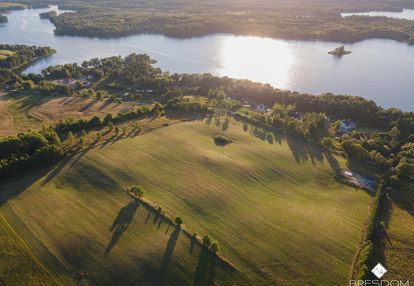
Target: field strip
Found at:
54, 261
27, 249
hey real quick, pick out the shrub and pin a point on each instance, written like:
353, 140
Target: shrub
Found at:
221, 140
178, 220
137, 190
207, 241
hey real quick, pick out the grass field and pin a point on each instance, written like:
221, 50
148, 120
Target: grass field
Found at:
399, 250
4, 54
49, 232
21, 111
272, 203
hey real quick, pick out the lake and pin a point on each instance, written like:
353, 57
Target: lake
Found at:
378, 69
405, 14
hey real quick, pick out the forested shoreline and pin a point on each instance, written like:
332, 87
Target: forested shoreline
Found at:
319, 21
16, 56
107, 24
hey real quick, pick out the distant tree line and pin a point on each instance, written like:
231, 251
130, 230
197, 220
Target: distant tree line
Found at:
71, 125
299, 114
138, 70
98, 22
188, 104
22, 55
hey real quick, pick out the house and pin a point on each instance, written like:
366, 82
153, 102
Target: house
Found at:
347, 126
261, 108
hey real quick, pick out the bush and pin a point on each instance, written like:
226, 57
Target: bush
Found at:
137, 190
178, 221
207, 241
221, 140
214, 247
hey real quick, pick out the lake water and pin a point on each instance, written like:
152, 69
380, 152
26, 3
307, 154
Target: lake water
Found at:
405, 14
381, 70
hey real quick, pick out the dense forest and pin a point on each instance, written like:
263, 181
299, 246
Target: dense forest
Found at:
183, 24
29, 150
7, 7
319, 20
298, 7
15, 56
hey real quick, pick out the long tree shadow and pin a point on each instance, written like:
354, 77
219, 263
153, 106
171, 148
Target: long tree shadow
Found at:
205, 273
88, 106
13, 187
380, 237
304, 151
163, 273
336, 168
121, 223
403, 197
56, 170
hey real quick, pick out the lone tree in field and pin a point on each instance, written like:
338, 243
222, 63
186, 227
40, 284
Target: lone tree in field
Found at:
178, 220
137, 190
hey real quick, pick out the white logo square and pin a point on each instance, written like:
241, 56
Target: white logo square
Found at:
379, 270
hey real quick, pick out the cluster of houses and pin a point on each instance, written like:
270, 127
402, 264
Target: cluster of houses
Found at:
261, 108
71, 82
127, 94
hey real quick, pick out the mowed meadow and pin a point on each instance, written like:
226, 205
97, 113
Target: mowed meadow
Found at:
272, 203
399, 244
51, 232
20, 111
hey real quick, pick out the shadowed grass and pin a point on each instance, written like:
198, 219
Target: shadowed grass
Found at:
399, 250
52, 232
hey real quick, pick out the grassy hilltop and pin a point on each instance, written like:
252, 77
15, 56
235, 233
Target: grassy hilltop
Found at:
272, 203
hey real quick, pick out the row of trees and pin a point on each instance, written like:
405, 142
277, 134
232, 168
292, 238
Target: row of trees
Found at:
188, 104
71, 125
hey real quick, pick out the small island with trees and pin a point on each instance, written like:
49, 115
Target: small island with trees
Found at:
339, 52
